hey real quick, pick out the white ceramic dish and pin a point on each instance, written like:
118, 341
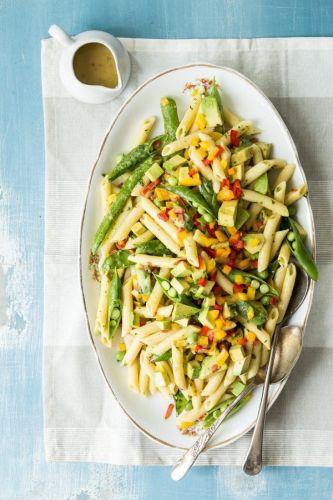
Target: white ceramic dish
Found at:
247, 100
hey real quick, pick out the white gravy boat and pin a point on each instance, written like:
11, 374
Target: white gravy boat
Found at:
93, 94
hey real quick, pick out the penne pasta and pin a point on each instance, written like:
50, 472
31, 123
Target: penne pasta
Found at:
269, 233
260, 168
266, 202
189, 117
153, 212
183, 143
295, 194
145, 128
178, 366
191, 250
285, 174
157, 293
287, 289
153, 261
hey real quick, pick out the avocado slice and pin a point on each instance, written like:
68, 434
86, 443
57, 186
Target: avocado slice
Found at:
144, 281
174, 162
241, 217
180, 286
207, 364
198, 274
266, 149
164, 325
204, 318
237, 388
193, 369
183, 311
239, 173
241, 156
211, 110
261, 184
253, 242
227, 213
236, 352
229, 310
154, 172
203, 291
181, 270
209, 301
241, 366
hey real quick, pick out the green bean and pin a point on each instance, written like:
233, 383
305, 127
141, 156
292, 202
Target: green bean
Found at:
300, 251
114, 310
170, 117
153, 247
117, 260
135, 156
247, 276
194, 198
207, 192
172, 293
119, 203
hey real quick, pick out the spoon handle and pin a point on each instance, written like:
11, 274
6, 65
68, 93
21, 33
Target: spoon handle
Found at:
187, 460
253, 461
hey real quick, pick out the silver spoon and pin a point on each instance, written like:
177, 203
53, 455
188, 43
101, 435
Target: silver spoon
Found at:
253, 461
287, 352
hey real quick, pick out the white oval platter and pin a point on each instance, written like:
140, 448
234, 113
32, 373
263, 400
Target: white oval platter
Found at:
246, 100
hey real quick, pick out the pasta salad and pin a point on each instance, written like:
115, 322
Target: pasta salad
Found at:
193, 256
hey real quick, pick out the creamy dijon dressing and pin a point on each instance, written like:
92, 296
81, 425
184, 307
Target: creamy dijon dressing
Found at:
94, 64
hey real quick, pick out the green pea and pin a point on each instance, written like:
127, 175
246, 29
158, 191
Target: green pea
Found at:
194, 204
294, 245
265, 300
165, 285
264, 288
263, 274
158, 203
208, 218
255, 256
172, 292
216, 413
291, 236
201, 211
255, 284
115, 314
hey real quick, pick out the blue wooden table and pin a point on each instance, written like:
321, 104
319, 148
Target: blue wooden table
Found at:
24, 474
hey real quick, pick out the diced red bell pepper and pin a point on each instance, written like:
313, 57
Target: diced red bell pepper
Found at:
237, 245
210, 251
220, 151
204, 330
225, 183
207, 162
217, 290
237, 288
236, 189
213, 276
217, 307
150, 186
163, 215
253, 264
210, 337
242, 341
234, 138
169, 411
274, 301
202, 282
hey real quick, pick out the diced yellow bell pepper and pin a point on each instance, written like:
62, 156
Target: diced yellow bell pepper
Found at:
159, 317
220, 236
215, 135
220, 300
195, 141
186, 154
219, 335
232, 230
201, 122
201, 152
223, 164
213, 153
213, 315
191, 181
199, 357
180, 343
204, 145
219, 323
225, 195
222, 357
181, 237
223, 252
231, 171
251, 336
211, 264
243, 264
226, 269
251, 293
240, 296
202, 340
162, 194
186, 425
250, 313
239, 279
122, 347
